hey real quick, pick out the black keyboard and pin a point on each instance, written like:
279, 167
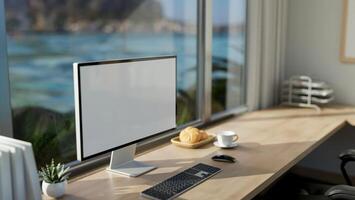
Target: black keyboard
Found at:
180, 183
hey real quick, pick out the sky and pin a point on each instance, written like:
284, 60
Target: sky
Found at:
224, 11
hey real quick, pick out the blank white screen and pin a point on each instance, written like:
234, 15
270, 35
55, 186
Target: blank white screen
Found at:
124, 102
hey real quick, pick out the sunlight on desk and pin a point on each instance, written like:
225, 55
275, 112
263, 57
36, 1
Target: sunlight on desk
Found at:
271, 142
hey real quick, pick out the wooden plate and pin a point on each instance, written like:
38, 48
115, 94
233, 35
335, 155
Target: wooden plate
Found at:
176, 141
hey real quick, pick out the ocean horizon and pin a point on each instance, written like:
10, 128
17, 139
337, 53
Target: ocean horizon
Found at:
53, 54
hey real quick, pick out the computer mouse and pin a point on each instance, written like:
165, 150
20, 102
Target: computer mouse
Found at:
223, 158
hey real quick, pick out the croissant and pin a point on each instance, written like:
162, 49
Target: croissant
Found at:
203, 135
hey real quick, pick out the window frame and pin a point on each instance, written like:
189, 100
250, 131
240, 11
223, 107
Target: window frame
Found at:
203, 92
5, 105
243, 107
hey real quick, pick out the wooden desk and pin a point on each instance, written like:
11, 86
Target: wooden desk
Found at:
271, 142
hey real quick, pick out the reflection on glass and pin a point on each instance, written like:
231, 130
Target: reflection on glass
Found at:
46, 37
228, 54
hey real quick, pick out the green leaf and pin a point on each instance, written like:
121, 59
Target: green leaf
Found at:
54, 173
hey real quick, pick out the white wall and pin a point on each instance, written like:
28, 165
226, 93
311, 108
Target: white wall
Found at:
312, 48
313, 41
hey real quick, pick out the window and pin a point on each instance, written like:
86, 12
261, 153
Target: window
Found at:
45, 37
228, 54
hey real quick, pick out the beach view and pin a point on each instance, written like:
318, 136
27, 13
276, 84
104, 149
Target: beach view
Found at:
48, 36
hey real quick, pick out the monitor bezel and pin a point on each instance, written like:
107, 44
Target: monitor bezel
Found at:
78, 89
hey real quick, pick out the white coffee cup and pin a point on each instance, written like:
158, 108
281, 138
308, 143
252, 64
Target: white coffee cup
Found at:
227, 138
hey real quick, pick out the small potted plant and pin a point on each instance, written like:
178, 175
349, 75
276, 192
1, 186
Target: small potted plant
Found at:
54, 177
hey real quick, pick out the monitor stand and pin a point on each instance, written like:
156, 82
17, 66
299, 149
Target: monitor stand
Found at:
122, 162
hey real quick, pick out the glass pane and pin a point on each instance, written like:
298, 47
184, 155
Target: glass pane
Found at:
228, 54
45, 37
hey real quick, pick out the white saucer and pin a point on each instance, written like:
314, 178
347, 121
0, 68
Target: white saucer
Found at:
217, 144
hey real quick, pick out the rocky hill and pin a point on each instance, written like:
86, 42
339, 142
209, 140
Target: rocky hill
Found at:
66, 15
52, 134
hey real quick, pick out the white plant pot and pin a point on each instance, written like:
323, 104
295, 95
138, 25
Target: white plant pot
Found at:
54, 190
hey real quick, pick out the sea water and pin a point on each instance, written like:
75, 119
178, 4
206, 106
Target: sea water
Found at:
41, 64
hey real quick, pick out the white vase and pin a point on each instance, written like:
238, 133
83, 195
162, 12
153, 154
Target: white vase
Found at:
54, 190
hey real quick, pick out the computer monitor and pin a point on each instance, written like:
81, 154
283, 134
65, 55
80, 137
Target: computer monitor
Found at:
119, 103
